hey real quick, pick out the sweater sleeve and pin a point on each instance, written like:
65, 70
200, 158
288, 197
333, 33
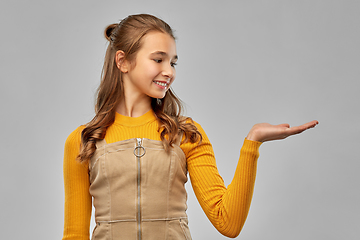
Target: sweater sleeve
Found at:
77, 197
226, 208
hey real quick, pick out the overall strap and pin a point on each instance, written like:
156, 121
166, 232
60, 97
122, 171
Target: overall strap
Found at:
100, 143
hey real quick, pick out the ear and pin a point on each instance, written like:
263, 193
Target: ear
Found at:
121, 63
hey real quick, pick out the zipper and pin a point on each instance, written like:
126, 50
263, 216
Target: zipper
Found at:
138, 154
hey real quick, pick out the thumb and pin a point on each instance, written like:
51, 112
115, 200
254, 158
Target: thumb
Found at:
284, 125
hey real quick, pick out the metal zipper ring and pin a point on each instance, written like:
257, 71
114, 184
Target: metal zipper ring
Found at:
138, 155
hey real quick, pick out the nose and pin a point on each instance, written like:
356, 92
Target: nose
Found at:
168, 71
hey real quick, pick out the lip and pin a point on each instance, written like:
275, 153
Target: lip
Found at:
164, 82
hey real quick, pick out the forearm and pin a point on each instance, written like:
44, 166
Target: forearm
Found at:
226, 208
235, 203
77, 209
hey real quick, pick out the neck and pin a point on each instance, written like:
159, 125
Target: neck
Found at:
133, 105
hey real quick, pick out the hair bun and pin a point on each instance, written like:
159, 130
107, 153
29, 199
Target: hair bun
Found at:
109, 29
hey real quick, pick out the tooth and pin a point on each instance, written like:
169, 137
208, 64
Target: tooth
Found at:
161, 84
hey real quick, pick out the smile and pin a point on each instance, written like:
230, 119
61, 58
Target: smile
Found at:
162, 84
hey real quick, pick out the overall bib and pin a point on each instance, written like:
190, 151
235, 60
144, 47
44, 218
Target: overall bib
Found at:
138, 191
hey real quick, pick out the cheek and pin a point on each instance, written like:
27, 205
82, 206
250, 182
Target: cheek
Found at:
151, 72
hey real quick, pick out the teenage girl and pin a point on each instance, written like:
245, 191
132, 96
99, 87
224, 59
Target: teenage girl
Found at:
131, 160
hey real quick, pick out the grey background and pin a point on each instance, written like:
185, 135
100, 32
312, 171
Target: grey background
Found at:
240, 63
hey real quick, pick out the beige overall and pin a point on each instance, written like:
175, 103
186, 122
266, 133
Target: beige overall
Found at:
138, 191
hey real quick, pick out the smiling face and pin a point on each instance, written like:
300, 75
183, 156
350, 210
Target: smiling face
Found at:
153, 70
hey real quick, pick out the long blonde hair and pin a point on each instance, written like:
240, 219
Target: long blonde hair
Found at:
127, 36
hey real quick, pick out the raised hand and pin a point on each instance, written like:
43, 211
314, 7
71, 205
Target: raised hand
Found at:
263, 132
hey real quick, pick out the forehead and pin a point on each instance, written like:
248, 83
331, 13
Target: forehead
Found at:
158, 42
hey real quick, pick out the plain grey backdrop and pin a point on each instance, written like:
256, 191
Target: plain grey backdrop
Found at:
240, 63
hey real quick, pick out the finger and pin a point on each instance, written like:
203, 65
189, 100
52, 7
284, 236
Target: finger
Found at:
311, 124
295, 130
301, 128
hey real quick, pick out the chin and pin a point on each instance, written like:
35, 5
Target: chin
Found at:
158, 95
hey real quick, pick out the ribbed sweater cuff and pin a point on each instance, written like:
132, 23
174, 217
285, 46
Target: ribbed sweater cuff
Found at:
251, 147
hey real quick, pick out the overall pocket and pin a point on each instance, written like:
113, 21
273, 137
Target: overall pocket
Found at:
101, 231
178, 230
185, 228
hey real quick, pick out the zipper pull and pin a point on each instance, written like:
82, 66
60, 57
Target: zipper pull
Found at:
139, 150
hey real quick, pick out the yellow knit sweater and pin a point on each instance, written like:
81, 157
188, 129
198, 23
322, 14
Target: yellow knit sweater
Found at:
226, 208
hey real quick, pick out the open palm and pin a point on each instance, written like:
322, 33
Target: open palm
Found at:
264, 132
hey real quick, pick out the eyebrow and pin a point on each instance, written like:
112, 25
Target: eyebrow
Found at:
164, 54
